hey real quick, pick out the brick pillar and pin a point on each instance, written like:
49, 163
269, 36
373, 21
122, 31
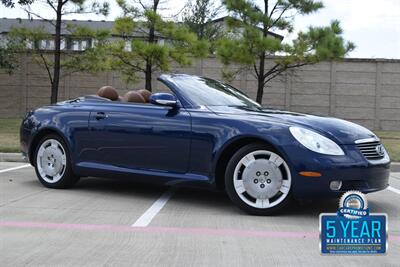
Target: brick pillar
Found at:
288, 90
23, 98
332, 90
378, 89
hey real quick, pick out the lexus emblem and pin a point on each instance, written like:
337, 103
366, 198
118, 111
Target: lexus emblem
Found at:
380, 150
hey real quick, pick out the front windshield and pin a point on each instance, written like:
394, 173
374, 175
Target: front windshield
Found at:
209, 92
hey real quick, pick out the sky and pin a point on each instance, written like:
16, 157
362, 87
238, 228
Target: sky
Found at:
374, 26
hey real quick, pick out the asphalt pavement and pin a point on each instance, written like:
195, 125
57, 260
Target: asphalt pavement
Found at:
103, 222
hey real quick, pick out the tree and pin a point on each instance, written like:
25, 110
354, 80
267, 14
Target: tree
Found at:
92, 59
151, 43
199, 16
253, 43
60, 8
8, 56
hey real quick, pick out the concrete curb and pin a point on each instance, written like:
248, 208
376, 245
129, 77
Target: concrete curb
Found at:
395, 167
17, 157
11, 157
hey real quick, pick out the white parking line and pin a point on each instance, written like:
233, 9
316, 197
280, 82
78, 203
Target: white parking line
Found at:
149, 214
394, 190
15, 168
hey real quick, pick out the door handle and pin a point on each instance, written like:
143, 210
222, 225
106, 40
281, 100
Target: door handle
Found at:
100, 116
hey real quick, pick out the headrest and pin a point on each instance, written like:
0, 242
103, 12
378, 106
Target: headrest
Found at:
108, 92
146, 94
134, 96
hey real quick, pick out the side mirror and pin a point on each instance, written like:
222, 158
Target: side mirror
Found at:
163, 99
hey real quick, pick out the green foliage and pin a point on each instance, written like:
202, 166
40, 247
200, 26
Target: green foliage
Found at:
27, 40
51, 60
11, 3
8, 56
250, 40
153, 42
93, 59
198, 16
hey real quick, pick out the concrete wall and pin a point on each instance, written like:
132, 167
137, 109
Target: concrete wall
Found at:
365, 91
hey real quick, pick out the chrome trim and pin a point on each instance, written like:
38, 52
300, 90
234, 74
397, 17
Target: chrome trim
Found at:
365, 150
367, 140
383, 160
166, 102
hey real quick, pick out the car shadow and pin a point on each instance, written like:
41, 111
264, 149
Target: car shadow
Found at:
221, 202
215, 201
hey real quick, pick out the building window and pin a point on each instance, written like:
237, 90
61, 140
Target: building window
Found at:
95, 42
128, 45
62, 44
30, 44
46, 45
80, 45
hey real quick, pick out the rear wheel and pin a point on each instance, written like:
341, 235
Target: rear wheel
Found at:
52, 163
258, 180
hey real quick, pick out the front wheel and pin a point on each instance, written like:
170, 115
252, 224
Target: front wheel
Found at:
258, 180
53, 164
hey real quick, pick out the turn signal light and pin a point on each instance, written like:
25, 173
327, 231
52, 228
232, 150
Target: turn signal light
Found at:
310, 174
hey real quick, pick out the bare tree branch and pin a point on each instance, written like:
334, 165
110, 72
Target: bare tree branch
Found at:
51, 5
141, 3
39, 16
46, 65
255, 70
127, 62
273, 9
272, 70
279, 17
279, 71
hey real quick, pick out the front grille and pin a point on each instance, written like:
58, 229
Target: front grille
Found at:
370, 150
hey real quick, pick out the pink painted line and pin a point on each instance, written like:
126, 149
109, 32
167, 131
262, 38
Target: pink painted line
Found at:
171, 230
394, 238
151, 229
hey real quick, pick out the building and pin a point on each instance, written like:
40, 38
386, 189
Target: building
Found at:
68, 41
71, 43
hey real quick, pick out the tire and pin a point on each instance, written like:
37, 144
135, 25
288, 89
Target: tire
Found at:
258, 180
53, 163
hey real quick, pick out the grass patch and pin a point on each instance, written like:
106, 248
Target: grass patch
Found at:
391, 141
9, 135
9, 138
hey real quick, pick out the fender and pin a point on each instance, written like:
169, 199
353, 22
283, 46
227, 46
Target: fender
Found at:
239, 141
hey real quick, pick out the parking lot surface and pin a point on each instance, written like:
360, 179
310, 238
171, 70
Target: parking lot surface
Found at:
122, 223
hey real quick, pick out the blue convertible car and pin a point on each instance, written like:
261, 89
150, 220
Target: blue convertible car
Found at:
204, 133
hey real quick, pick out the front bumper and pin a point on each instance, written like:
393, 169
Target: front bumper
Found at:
363, 179
353, 170
25, 138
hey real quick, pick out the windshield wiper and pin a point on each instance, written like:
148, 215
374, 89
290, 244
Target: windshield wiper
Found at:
78, 99
249, 108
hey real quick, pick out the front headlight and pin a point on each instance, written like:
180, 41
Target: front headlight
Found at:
315, 141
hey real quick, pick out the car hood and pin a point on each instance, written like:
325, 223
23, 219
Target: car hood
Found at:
341, 131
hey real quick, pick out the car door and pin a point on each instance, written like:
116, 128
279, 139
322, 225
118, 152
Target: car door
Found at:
141, 136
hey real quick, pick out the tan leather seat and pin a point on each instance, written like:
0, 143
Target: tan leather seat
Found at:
108, 92
134, 96
146, 94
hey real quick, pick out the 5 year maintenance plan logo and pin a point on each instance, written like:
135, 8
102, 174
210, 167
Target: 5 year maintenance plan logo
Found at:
353, 229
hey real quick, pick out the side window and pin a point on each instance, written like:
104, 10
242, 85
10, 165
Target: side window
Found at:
160, 87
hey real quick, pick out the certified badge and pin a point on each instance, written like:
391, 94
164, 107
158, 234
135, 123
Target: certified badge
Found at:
353, 229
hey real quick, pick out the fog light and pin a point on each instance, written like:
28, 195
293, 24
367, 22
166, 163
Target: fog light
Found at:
335, 185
